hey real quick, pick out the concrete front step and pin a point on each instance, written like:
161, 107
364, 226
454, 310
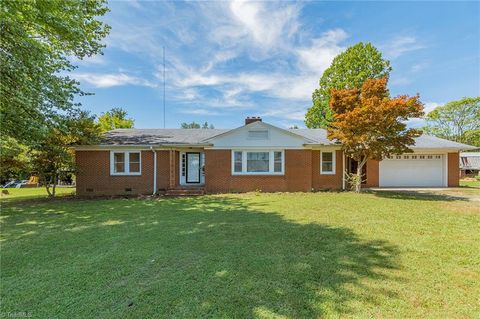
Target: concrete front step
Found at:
197, 191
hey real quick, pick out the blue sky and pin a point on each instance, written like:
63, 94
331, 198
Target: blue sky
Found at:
229, 60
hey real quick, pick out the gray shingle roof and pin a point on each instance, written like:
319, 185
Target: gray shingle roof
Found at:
317, 134
198, 136
470, 160
424, 141
428, 141
158, 136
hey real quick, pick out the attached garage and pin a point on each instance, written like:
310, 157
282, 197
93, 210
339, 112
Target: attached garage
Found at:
413, 170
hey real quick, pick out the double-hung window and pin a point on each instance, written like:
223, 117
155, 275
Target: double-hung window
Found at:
125, 163
278, 162
237, 162
259, 162
327, 162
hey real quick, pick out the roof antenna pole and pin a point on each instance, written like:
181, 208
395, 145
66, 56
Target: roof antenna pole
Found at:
163, 86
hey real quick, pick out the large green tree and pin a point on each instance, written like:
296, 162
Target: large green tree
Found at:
14, 160
39, 41
457, 121
115, 118
54, 155
349, 70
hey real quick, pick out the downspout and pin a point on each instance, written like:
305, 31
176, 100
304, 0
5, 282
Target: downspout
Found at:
154, 170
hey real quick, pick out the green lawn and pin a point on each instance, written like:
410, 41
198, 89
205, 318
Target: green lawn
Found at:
38, 192
328, 255
464, 183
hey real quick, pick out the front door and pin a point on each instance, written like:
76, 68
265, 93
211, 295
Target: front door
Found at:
193, 168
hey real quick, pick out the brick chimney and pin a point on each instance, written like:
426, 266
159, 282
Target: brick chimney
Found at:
252, 119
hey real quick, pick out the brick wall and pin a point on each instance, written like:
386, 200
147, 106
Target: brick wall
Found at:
219, 178
94, 173
163, 170
373, 170
453, 170
322, 181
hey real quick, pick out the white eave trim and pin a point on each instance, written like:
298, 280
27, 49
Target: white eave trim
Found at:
255, 148
137, 147
323, 146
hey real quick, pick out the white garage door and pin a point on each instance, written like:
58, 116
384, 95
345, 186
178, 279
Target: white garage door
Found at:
412, 171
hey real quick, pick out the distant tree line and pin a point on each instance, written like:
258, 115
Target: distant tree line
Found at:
457, 121
196, 125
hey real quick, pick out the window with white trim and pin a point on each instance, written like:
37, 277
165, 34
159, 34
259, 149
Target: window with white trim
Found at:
258, 162
184, 164
125, 163
327, 162
119, 163
237, 162
277, 162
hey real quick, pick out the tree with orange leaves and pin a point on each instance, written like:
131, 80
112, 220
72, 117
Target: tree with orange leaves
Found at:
370, 124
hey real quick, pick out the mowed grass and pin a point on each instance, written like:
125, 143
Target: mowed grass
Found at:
37, 192
470, 183
312, 255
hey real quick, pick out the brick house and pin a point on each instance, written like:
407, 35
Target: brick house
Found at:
256, 156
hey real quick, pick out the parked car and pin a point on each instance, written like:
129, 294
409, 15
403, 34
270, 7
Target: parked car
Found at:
20, 184
11, 184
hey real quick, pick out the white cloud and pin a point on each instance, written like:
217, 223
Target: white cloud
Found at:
417, 67
291, 113
297, 84
226, 55
401, 45
97, 59
220, 57
198, 112
416, 123
266, 26
110, 80
400, 80
190, 94
427, 108
276, 85
318, 57
232, 93
430, 106
200, 80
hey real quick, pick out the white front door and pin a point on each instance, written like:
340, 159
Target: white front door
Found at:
193, 168
413, 170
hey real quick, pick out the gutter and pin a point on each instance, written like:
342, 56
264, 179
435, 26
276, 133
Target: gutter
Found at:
106, 147
154, 170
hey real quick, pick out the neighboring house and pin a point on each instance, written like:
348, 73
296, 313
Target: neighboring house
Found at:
469, 164
256, 156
